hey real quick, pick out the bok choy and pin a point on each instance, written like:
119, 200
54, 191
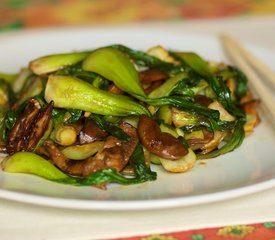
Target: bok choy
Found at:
106, 115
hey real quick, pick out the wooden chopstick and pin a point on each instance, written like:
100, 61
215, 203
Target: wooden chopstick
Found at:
240, 58
255, 62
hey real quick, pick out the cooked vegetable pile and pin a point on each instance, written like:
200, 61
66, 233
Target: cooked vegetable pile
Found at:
106, 115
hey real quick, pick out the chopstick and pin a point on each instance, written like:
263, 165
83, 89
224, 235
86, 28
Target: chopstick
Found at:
251, 58
245, 60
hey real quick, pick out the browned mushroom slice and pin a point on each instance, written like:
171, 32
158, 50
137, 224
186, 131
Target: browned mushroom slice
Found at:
61, 161
115, 154
202, 100
42, 151
39, 127
58, 158
17, 137
160, 143
150, 86
130, 146
198, 142
111, 156
29, 128
92, 164
91, 132
152, 75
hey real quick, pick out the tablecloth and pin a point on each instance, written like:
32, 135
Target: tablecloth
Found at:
250, 217
16, 14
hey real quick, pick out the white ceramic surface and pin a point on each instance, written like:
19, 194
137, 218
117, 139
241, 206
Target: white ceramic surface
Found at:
250, 168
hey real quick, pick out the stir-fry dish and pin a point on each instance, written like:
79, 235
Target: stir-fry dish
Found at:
106, 115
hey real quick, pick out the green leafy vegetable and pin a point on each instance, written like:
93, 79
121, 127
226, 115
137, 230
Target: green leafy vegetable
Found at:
166, 88
71, 92
188, 98
144, 59
142, 173
185, 105
115, 66
198, 64
8, 77
51, 63
216, 83
235, 141
4, 106
241, 81
111, 128
28, 162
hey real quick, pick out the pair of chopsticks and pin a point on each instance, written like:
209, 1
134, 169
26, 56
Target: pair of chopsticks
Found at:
253, 68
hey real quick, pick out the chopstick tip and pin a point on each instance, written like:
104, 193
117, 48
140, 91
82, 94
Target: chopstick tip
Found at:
224, 36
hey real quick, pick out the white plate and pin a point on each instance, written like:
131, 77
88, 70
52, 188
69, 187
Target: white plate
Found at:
250, 168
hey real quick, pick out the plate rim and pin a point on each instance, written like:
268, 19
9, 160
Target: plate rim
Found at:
135, 205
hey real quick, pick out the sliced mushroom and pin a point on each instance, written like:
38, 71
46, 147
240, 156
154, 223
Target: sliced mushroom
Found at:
17, 136
42, 151
150, 86
91, 132
39, 128
130, 146
160, 143
71, 167
198, 142
58, 158
110, 157
29, 128
115, 154
152, 75
203, 100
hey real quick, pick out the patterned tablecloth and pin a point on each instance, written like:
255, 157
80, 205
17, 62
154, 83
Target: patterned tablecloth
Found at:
263, 231
44, 13
20, 14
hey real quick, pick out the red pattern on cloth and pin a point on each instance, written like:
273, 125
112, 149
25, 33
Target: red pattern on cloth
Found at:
265, 231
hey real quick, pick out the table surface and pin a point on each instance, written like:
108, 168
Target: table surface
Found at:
248, 217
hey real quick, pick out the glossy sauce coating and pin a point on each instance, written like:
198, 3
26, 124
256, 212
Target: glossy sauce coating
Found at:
160, 143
